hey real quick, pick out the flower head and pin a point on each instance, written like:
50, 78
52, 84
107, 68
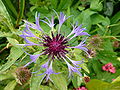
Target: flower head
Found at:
82, 88
55, 45
109, 67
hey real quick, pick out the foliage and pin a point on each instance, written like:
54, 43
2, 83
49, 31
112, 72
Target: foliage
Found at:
100, 17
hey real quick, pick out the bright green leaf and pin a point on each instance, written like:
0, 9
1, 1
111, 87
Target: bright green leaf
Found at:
116, 80
115, 18
59, 81
95, 84
15, 53
36, 80
5, 14
97, 18
76, 80
96, 5
114, 86
11, 85
5, 76
13, 41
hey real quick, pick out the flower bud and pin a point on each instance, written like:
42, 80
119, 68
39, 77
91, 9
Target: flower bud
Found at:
23, 74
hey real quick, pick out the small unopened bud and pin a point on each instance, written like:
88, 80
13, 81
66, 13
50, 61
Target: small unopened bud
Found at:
86, 79
116, 44
23, 74
96, 41
92, 53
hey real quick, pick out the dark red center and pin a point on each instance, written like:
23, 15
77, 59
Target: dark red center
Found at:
55, 46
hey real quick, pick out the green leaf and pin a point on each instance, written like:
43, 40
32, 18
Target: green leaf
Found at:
10, 6
107, 54
107, 45
114, 86
76, 80
84, 67
54, 3
115, 18
36, 81
4, 34
116, 80
13, 41
85, 18
15, 53
97, 67
46, 88
115, 30
95, 84
97, 18
34, 2
96, 5
5, 14
63, 4
106, 57
11, 85
109, 8
5, 76
59, 81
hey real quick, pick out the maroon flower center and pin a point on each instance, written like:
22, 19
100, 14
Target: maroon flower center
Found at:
55, 46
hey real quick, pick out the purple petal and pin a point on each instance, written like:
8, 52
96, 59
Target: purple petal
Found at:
27, 32
81, 46
62, 18
34, 57
83, 33
48, 71
28, 63
37, 16
80, 34
72, 69
26, 44
36, 25
49, 23
30, 43
78, 31
75, 63
45, 65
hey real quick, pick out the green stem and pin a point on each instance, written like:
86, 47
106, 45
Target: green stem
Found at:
21, 11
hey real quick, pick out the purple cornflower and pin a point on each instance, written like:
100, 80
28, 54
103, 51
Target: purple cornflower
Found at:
55, 45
